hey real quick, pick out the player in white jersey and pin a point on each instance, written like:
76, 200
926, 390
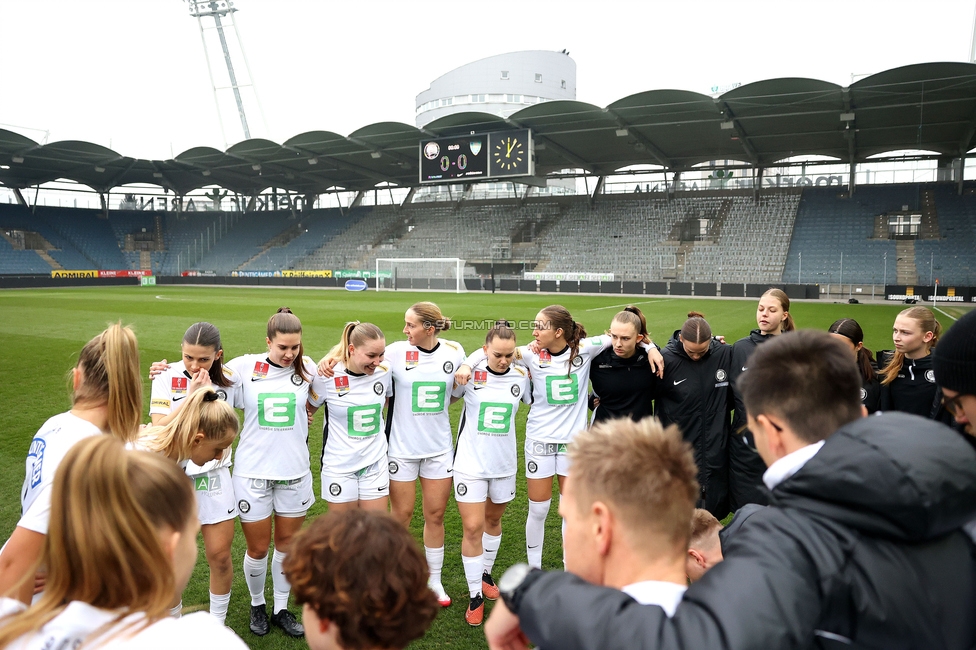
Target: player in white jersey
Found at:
355, 472
272, 472
106, 397
122, 544
419, 426
559, 363
486, 461
202, 366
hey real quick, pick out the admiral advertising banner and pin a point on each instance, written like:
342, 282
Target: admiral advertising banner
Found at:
74, 274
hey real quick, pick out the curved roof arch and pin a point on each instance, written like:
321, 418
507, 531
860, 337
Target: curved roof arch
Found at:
926, 107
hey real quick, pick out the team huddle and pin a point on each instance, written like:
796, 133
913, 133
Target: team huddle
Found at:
387, 426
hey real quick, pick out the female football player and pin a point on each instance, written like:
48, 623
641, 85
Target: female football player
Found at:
355, 469
106, 398
272, 472
201, 367
486, 460
120, 545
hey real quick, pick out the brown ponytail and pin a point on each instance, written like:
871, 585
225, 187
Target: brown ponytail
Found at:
109, 364
501, 330
573, 332
850, 329
784, 302
285, 322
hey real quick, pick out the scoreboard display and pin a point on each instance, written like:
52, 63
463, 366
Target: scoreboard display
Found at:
502, 154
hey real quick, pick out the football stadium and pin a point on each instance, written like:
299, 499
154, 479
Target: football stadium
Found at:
507, 195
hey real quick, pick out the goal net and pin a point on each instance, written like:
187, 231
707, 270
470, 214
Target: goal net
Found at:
422, 273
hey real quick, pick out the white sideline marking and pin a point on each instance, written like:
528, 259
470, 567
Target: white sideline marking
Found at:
646, 302
943, 313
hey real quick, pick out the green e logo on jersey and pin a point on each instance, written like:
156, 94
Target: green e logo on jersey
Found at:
562, 390
494, 418
363, 421
276, 410
428, 396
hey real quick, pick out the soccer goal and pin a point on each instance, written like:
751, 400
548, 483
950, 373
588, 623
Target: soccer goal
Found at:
423, 273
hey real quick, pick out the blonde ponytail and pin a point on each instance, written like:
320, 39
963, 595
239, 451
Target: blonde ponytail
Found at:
202, 412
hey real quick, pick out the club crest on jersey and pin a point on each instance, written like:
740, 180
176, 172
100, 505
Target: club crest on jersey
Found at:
341, 385
296, 380
448, 367
544, 358
378, 388
179, 385
577, 362
480, 377
864, 394
930, 376
221, 394
413, 358
720, 375
260, 370
516, 391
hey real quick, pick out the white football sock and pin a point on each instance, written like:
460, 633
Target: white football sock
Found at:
255, 575
535, 531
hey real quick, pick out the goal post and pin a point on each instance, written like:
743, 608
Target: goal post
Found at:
424, 273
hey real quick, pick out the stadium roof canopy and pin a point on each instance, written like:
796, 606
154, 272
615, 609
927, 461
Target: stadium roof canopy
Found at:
928, 107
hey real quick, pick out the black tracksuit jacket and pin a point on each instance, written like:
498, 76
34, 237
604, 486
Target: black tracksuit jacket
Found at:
625, 387
746, 467
694, 395
860, 548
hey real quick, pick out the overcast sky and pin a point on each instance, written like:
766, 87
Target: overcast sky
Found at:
131, 74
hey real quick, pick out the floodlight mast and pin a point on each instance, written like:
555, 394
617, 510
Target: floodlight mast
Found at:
216, 9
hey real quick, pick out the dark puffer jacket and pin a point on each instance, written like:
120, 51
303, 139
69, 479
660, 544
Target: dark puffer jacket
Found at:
694, 395
861, 548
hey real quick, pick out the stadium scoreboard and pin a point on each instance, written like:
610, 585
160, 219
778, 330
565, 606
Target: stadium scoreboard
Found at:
501, 154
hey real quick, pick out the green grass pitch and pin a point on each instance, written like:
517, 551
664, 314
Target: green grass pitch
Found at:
45, 329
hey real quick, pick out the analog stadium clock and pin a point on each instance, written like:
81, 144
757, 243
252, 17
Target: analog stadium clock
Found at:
510, 153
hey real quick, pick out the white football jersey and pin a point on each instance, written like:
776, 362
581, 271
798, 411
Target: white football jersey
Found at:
558, 390
74, 626
274, 439
169, 390
48, 448
420, 426
354, 435
486, 446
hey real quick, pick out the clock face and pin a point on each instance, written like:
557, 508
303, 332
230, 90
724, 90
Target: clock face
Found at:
509, 154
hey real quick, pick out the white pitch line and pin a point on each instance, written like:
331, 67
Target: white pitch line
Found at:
646, 302
943, 313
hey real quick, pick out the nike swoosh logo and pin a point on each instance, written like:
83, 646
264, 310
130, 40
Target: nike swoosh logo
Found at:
682, 381
256, 378
254, 575
744, 368
536, 546
411, 367
479, 387
231, 511
450, 471
177, 399
305, 501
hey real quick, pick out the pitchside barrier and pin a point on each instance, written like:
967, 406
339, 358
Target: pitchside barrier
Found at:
610, 287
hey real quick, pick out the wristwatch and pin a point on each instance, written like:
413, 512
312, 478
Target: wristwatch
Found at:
511, 580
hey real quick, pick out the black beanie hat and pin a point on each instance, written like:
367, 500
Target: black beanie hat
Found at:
954, 356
